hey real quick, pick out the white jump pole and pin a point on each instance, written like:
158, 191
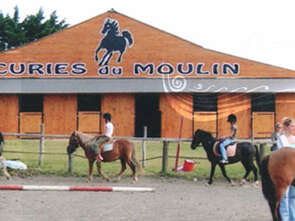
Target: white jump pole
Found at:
77, 188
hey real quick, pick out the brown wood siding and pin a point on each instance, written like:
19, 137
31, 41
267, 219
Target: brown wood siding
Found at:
89, 122
206, 121
285, 106
9, 113
30, 122
240, 105
262, 124
60, 114
122, 109
173, 106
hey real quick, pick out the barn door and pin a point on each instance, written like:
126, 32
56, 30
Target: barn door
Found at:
205, 112
30, 113
89, 115
263, 111
147, 113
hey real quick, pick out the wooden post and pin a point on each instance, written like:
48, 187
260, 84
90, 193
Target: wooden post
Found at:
178, 143
42, 140
165, 156
143, 147
70, 169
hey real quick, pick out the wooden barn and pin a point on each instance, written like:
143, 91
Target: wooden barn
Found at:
143, 76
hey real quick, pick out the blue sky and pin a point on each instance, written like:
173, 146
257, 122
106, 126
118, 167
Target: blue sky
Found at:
261, 30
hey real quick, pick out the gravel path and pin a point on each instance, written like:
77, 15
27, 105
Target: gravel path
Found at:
173, 200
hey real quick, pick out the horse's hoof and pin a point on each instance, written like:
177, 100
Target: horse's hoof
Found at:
233, 183
118, 179
243, 182
135, 179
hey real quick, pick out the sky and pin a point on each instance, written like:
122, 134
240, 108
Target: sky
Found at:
259, 30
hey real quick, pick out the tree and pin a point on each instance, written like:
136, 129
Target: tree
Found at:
14, 33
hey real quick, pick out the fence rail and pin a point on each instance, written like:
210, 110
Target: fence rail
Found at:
166, 141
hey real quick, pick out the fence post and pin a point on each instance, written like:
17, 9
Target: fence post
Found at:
165, 156
143, 147
70, 169
42, 140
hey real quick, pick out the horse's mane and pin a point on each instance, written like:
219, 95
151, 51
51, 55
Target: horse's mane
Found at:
114, 26
83, 137
204, 133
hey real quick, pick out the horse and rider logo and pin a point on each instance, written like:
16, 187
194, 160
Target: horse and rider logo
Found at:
113, 41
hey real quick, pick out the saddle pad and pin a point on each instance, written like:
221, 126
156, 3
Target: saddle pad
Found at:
230, 150
107, 147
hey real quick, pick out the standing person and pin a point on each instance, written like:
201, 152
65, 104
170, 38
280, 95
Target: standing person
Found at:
97, 146
287, 139
232, 119
274, 136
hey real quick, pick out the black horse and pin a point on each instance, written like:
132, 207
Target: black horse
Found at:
113, 41
245, 153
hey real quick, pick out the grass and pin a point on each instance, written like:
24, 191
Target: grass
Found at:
55, 160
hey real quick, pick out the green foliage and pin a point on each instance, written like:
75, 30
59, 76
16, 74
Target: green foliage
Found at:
14, 33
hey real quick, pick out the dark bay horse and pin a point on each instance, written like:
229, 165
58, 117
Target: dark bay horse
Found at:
122, 149
245, 153
2, 159
112, 42
277, 173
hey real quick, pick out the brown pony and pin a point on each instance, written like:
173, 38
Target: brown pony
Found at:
122, 149
277, 173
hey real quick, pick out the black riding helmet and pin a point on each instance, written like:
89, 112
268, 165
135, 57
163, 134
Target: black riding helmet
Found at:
232, 118
107, 116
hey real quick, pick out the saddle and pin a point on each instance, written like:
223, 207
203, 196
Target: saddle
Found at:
230, 149
108, 146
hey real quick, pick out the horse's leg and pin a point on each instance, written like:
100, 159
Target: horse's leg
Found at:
133, 168
224, 173
98, 165
249, 166
213, 166
109, 57
90, 170
96, 53
123, 168
103, 58
6, 174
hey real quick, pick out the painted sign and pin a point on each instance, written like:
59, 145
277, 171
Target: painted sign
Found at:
123, 47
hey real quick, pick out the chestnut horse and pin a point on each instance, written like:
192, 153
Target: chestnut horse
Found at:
2, 159
277, 173
122, 149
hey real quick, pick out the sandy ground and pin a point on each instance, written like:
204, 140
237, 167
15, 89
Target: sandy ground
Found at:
173, 200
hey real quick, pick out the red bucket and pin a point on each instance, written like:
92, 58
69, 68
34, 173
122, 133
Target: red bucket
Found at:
188, 165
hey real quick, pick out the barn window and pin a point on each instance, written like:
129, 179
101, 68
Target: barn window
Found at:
205, 102
89, 102
31, 103
263, 102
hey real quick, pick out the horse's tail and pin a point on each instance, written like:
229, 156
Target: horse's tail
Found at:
128, 36
135, 162
268, 187
258, 158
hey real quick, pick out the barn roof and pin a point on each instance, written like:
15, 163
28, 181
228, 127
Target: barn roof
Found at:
152, 61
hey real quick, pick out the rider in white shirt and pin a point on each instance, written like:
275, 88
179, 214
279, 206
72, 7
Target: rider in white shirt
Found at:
106, 137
